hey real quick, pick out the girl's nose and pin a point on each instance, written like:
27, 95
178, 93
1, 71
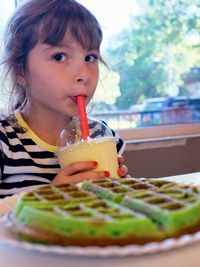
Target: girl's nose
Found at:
82, 79
82, 74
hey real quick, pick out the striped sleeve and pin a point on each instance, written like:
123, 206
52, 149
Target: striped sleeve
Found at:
119, 141
23, 163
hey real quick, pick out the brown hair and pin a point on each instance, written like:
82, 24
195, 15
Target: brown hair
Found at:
44, 21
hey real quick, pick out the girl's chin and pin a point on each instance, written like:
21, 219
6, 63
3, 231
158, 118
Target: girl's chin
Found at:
72, 112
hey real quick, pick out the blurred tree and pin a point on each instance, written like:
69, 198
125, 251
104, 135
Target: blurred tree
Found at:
156, 48
107, 90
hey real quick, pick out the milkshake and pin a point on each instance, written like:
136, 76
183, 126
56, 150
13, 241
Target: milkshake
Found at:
100, 147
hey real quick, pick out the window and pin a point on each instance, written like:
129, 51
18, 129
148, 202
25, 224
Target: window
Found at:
152, 48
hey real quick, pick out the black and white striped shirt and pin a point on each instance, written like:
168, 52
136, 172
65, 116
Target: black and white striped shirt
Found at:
25, 159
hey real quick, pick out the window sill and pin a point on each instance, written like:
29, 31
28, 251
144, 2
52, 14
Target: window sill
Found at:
159, 136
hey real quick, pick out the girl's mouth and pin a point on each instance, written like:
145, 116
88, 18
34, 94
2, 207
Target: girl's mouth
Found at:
74, 99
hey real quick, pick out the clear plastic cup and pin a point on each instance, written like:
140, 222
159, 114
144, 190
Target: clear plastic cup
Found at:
100, 146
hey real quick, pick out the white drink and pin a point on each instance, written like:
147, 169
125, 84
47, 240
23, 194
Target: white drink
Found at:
102, 150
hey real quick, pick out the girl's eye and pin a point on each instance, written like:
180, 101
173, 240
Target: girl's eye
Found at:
91, 58
60, 57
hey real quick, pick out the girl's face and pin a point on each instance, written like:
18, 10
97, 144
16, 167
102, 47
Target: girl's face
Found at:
57, 74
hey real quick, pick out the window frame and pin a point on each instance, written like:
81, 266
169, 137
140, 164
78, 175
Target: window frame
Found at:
158, 133
155, 133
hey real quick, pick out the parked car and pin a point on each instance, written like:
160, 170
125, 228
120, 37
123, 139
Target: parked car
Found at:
181, 110
156, 103
150, 113
170, 110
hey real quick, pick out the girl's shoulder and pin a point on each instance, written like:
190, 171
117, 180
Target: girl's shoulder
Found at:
8, 123
5, 129
120, 144
4, 121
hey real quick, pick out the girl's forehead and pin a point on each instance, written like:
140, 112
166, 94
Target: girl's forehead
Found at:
78, 38
67, 41
68, 38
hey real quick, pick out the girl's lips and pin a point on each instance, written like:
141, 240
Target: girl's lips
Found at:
74, 99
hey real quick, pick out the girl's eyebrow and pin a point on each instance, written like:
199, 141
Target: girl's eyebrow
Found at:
60, 45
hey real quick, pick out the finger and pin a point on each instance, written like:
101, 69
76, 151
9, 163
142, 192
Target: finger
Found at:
93, 176
120, 159
122, 171
79, 166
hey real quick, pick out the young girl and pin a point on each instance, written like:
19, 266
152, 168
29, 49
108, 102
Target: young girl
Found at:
52, 53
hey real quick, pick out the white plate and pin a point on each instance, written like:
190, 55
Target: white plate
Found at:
7, 237
7, 204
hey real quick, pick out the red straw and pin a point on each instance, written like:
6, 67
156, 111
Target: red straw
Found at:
83, 117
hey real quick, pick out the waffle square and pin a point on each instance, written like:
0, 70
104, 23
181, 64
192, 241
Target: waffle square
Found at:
68, 215
173, 207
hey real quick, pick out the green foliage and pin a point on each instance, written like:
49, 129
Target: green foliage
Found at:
107, 90
156, 48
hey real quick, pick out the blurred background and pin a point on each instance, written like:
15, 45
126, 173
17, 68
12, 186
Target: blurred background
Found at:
152, 48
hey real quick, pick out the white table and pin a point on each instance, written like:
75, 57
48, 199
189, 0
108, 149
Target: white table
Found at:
186, 256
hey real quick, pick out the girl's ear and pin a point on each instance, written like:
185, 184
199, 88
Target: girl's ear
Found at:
21, 81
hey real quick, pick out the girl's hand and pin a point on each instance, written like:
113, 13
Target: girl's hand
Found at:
122, 168
77, 172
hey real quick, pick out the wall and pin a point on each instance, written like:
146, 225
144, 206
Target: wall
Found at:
159, 159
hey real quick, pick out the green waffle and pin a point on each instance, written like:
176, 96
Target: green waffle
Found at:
173, 207
67, 215
107, 212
